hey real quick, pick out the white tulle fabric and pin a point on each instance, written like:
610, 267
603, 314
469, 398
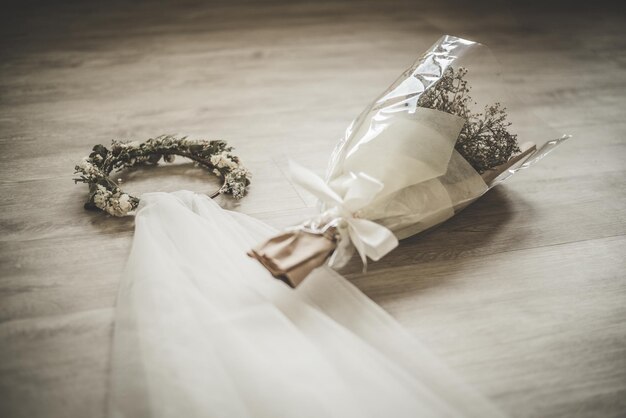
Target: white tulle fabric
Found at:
203, 331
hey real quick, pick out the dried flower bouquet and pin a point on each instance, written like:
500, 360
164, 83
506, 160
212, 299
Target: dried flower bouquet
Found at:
415, 157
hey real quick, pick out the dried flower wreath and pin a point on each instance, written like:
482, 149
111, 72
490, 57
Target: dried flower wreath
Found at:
106, 195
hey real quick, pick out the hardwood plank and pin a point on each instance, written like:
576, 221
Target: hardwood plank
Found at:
522, 293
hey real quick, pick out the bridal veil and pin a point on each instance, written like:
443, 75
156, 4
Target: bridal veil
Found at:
202, 330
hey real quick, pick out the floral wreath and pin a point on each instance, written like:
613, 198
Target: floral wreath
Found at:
106, 195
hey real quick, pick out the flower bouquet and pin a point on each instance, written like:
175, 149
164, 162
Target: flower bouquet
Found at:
427, 147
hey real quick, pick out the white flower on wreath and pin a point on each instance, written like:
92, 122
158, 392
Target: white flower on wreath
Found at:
222, 160
125, 203
235, 182
113, 204
128, 145
101, 197
118, 205
87, 167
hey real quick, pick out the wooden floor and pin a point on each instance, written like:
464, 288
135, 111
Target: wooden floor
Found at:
523, 294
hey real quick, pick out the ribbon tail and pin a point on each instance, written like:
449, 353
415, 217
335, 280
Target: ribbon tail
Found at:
313, 184
360, 246
371, 239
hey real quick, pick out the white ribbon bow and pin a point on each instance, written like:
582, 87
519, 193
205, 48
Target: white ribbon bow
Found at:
369, 238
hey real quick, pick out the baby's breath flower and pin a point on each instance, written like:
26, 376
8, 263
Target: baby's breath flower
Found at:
484, 141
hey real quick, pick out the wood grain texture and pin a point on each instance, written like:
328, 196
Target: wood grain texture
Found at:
523, 293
